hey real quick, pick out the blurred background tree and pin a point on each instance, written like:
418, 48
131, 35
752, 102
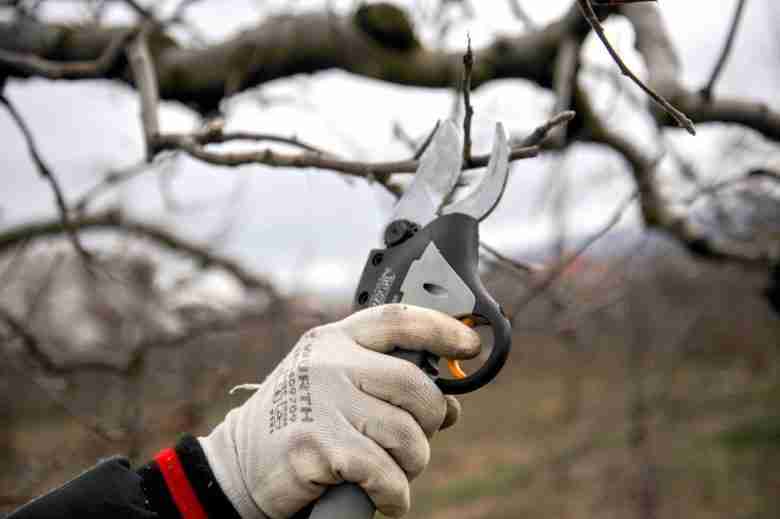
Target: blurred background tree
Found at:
190, 184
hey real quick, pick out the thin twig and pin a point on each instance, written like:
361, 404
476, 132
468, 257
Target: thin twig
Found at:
554, 273
401, 134
178, 13
146, 80
145, 13
48, 175
426, 142
29, 64
616, 78
540, 133
90, 424
525, 268
268, 157
590, 15
521, 14
218, 137
706, 92
565, 78
415, 147
468, 66
111, 179
114, 220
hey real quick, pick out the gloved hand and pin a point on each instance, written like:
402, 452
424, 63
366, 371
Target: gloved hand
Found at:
338, 409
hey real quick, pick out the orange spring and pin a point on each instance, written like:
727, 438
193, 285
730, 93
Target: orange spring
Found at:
454, 365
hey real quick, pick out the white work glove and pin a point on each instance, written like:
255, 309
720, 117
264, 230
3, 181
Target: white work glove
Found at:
338, 409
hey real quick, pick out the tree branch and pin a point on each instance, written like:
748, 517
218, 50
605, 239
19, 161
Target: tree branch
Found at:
537, 136
523, 268
541, 132
593, 20
111, 179
143, 12
284, 46
724, 55
565, 76
273, 158
114, 220
146, 80
218, 137
664, 70
520, 13
33, 349
657, 210
427, 142
468, 67
27, 64
547, 279
287, 45
46, 174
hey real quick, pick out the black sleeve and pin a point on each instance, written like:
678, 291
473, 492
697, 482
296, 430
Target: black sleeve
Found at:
200, 478
110, 489
113, 490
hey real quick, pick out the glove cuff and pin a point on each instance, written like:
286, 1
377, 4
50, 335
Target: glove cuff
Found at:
179, 484
220, 451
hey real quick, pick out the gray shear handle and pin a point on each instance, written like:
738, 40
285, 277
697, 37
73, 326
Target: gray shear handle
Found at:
345, 501
348, 500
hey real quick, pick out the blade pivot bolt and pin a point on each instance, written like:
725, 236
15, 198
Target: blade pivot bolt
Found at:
399, 231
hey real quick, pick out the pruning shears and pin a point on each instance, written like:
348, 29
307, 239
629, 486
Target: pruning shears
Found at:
430, 259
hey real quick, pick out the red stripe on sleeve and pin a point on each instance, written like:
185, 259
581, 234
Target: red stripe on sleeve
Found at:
179, 486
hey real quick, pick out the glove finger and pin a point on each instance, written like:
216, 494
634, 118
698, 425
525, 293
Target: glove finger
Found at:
383, 328
453, 412
368, 465
402, 384
396, 431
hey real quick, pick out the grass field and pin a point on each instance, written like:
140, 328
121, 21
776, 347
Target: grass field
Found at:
559, 435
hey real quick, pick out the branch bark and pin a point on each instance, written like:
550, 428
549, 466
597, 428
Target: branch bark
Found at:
268, 157
468, 69
587, 10
288, 45
657, 210
664, 70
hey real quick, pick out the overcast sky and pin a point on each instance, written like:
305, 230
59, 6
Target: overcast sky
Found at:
312, 229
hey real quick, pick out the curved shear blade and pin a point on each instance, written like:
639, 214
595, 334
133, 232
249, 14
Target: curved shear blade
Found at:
484, 198
436, 177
